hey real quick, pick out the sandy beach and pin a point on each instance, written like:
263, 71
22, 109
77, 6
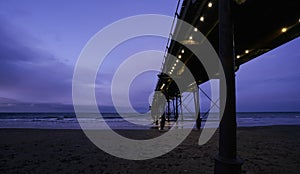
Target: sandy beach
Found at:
272, 149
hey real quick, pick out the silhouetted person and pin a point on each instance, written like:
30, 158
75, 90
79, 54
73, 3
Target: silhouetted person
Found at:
198, 121
163, 121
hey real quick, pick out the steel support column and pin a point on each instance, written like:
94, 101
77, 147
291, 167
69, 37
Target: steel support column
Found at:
168, 110
181, 108
227, 161
197, 107
176, 108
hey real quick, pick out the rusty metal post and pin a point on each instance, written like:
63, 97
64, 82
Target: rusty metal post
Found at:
227, 161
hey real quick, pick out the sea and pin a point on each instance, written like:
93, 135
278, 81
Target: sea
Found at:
133, 121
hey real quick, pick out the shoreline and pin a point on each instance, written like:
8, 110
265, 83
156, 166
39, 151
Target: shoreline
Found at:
138, 128
66, 121
266, 149
153, 128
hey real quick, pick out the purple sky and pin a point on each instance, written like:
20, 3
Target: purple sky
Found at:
41, 41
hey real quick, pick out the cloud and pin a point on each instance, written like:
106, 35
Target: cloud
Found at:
31, 77
271, 82
28, 73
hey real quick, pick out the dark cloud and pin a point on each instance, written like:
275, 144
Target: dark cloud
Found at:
29, 73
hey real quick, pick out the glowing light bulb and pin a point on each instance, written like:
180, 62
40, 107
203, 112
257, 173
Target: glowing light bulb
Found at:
191, 37
195, 29
182, 51
202, 19
209, 4
238, 56
283, 30
177, 61
247, 51
179, 56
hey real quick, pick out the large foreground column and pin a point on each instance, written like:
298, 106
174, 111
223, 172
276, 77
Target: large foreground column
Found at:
227, 161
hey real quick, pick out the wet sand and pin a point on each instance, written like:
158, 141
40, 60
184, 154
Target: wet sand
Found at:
273, 149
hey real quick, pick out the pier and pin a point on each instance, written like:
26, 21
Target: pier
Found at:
239, 31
